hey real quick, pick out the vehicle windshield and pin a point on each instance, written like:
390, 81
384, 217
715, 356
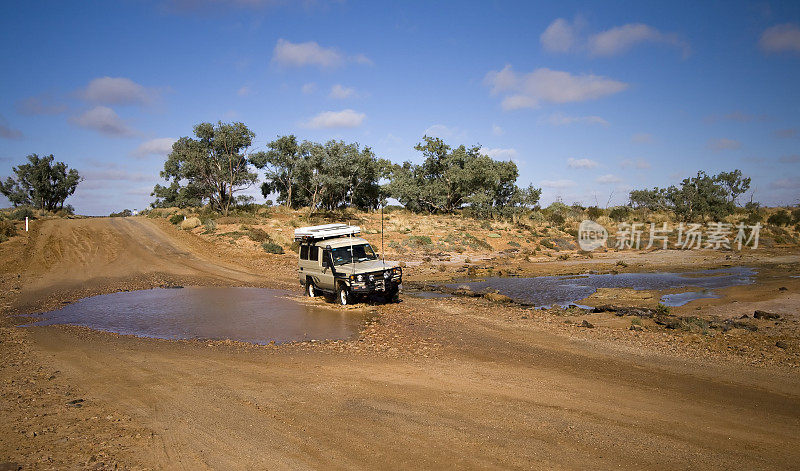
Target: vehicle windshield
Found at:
361, 253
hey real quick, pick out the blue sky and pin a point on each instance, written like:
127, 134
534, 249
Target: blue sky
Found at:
591, 100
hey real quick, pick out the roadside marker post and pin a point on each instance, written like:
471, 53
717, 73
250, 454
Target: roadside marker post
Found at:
26, 223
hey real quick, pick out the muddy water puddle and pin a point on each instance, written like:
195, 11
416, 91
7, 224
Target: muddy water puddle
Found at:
547, 291
255, 315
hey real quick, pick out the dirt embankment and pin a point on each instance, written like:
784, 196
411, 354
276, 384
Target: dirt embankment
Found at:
444, 383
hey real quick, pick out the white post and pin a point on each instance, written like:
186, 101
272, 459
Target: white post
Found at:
26, 223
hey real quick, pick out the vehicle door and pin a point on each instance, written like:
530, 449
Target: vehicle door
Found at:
326, 277
307, 266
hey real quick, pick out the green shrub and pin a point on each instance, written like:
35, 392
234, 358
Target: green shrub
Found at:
781, 218
619, 213
662, 309
752, 218
258, 235
176, 218
210, 225
694, 324
796, 215
594, 212
21, 213
122, 214
418, 240
67, 210
513, 243
272, 247
7, 229
556, 218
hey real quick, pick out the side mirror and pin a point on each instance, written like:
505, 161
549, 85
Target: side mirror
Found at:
326, 263
377, 256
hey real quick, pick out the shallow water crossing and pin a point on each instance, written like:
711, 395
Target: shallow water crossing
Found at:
563, 290
255, 315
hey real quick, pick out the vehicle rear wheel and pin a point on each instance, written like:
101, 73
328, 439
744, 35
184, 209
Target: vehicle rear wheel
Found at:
311, 290
343, 295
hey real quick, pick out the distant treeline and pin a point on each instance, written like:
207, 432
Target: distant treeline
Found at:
217, 164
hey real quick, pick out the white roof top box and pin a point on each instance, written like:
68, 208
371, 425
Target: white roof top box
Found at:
325, 231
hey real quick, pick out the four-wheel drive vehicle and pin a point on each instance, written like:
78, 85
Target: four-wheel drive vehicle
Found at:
334, 261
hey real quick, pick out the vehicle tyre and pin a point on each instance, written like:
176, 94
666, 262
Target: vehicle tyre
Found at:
392, 296
343, 295
311, 290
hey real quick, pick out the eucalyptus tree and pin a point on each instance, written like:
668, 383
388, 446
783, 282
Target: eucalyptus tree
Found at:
212, 167
41, 182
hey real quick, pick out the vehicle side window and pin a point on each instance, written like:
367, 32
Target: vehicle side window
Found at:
326, 257
304, 252
313, 253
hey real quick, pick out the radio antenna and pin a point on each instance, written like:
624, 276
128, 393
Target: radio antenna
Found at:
383, 254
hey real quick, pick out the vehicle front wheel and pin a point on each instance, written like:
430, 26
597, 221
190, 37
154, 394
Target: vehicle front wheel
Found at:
311, 290
343, 295
392, 296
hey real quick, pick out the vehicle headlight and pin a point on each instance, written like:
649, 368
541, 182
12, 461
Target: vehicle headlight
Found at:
387, 274
398, 271
360, 278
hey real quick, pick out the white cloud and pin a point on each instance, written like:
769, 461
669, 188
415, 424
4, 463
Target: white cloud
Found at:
789, 183
558, 184
581, 163
361, 59
723, 144
787, 133
497, 130
117, 91
623, 38
289, 54
308, 88
103, 120
7, 132
116, 175
516, 102
160, 146
340, 92
560, 119
40, 105
500, 154
336, 119
442, 131
642, 138
244, 91
546, 85
639, 164
309, 53
779, 38
230, 115
560, 36
608, 179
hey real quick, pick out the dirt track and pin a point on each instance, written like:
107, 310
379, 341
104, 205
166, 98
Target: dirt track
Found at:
437, 384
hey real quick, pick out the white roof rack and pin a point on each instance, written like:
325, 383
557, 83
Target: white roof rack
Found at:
325, 231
